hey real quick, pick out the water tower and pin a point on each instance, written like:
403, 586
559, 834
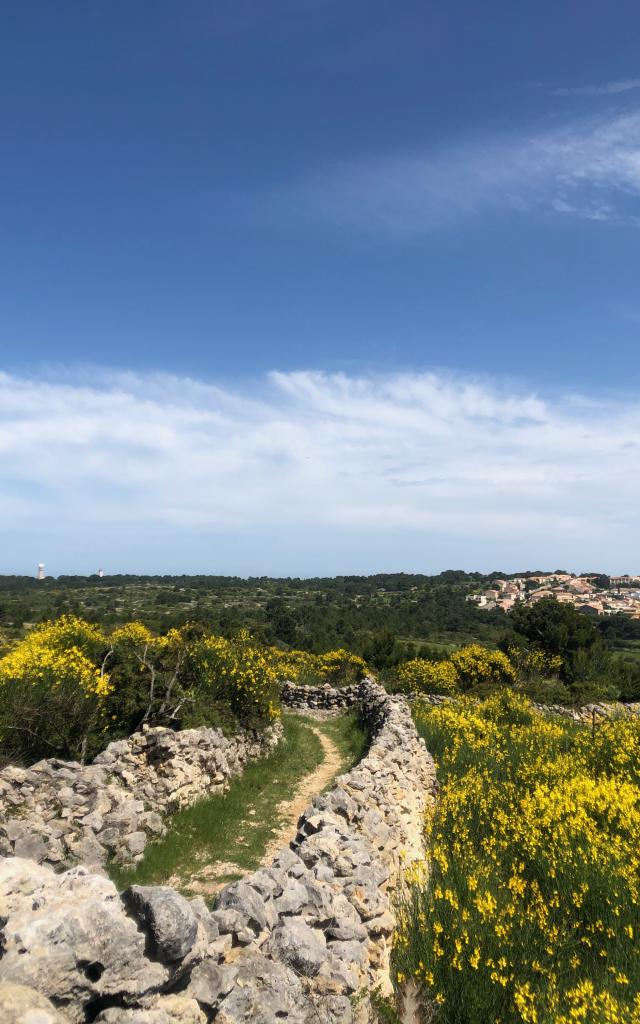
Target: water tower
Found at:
41, 573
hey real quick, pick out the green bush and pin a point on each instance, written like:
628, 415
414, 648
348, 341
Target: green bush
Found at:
547, 691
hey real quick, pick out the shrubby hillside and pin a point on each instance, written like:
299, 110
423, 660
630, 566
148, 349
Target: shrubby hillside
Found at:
69, 687
378, 617
385, 619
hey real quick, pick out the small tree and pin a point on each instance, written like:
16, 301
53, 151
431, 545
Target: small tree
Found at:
558, 629
147, 674
382, 650
533, 663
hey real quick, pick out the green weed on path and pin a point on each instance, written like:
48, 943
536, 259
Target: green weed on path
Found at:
223, 837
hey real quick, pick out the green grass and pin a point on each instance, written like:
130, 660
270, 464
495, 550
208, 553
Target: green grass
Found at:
348, 735
235, 828
446, 645
627, 649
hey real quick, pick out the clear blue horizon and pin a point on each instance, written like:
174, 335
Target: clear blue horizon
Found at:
304, 288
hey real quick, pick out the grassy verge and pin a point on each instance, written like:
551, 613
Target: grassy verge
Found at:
224, 837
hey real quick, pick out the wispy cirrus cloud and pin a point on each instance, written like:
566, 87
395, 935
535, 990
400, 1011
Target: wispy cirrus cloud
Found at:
587, 168
604, 89
439, 456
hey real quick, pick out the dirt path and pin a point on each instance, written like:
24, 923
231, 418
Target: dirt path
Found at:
290, 810
210, 877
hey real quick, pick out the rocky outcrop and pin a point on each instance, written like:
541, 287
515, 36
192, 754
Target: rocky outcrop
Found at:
290, 942
62, 813
68, 936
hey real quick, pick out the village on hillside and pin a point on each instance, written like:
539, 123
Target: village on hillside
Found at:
593, 595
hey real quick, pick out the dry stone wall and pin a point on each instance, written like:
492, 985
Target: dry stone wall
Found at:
320, 698
291, 942
587, 712
582, 714
61, 813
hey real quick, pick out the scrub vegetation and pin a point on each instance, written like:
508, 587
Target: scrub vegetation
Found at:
385, 619
526, 910
69, 687
382, 617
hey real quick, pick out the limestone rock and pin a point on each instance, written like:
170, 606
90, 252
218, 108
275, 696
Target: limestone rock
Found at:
175, 1009
210, 982
299, 946
264, 993
68, 937
248, 905
166, 917
22, 1005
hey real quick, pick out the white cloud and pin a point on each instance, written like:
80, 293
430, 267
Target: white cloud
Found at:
605, 89
586, 168
428, 453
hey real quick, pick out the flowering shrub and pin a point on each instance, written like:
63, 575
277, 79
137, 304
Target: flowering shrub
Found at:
149, 681
475, 664
612, 750
530, 663
294, 666
540, 675
67, 688
468, 667
422, 676
528, 912
53, 687
241, 673
339, 667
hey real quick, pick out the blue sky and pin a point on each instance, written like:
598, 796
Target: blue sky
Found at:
277, 280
